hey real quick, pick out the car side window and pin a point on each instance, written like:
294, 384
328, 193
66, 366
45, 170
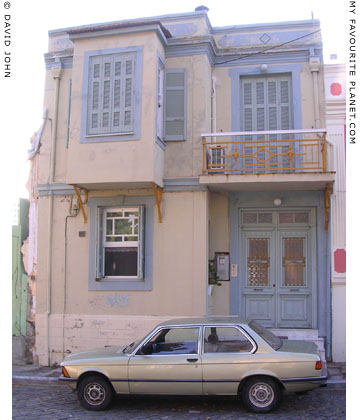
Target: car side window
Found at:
170, 341
226, 340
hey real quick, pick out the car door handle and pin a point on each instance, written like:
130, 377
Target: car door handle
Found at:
192, 360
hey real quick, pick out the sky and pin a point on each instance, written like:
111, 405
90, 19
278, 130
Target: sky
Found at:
30, 22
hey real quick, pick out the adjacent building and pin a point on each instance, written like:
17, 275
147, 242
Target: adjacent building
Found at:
170, 146
335, 88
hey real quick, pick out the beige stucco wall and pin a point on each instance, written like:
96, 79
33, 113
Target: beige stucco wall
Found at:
180, 247
223, 95
95, 163
219, 235
184, 158
60, 144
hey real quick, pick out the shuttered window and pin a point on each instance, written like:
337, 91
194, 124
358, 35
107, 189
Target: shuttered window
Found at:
111, 94
266, 103
175, 100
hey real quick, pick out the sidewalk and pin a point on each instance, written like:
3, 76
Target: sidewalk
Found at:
24, 373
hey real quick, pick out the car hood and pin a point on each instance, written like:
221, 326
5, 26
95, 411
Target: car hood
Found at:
299, 346
105, 353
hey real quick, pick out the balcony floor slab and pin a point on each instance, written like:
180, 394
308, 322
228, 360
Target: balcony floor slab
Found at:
274, 181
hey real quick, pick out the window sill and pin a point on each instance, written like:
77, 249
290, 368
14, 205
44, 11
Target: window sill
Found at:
110, 137
117, 284
127, 133
119, 279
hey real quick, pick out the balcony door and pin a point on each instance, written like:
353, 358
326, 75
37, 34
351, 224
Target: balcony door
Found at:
277, 268
266, 105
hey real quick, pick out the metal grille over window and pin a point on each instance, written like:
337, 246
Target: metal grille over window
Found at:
293, 262
252, 218
258, 262
286, 217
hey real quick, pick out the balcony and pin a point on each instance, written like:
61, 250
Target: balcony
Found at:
287, 158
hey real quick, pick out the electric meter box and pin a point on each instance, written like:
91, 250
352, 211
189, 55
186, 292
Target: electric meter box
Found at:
222, 265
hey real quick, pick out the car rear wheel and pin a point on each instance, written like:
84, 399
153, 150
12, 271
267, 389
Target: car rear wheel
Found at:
261, 395
95, 393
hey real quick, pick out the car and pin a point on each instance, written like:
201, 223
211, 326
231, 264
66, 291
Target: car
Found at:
207, 356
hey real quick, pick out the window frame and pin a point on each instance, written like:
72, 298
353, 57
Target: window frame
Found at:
241, 330
130, 244
170, 327
134, 134
236, 74
145, 273
160, 100
266, 105
166, 118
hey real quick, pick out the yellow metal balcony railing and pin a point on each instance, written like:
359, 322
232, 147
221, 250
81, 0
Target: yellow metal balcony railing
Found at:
266, 151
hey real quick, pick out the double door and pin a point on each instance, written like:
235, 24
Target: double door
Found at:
278, 268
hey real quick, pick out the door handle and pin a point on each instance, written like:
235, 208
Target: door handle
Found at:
192, 360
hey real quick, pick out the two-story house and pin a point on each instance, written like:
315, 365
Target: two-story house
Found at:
169, 143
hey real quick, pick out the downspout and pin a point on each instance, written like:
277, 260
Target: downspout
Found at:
315, 68
315, 63
213, 105
56, 72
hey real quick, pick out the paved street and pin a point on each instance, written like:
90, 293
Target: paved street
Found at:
57, 402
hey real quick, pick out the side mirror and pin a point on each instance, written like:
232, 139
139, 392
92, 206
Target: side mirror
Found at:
146, 349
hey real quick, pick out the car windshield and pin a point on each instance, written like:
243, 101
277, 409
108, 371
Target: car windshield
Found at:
265, 334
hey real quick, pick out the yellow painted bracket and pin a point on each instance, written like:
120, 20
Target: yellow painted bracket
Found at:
327, 205
78, 192
158, 197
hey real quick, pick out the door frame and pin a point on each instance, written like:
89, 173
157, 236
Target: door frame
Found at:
239, 300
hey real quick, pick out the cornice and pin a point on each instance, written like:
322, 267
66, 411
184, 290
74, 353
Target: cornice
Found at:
64, 58
259, 27
170, 185
137, 21
203, 45
121, 30
183, 184
57, 188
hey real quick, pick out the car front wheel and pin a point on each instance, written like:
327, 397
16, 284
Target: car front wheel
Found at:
261, 395
95, 393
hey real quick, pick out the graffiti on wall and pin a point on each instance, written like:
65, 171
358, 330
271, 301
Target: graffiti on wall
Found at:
117, 300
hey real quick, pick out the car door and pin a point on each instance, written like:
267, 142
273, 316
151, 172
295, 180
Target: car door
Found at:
168, 363
226, 356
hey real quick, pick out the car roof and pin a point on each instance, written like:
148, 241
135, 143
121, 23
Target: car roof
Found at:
213, 320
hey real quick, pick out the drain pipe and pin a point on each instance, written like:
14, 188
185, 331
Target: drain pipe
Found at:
56, 72
315, 68
213, 105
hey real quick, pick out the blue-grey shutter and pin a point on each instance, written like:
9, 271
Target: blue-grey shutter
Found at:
285, 114
117, 87
94, 99
175, 104
141, 246
266, 105
106, 95
128, 92
111, 94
